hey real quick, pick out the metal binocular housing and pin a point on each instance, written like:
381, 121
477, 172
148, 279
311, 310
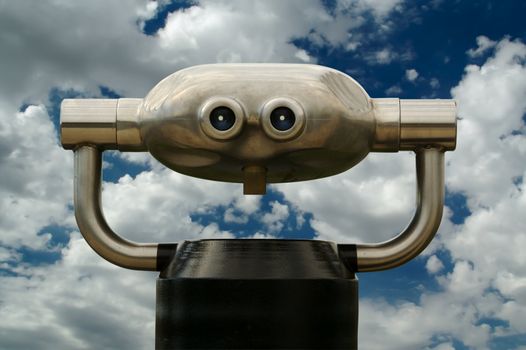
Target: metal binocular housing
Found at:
257, 124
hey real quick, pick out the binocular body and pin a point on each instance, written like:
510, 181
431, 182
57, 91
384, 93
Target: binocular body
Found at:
279, 123
257, 124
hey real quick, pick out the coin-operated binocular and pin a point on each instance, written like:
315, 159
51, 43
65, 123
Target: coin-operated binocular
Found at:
257, 124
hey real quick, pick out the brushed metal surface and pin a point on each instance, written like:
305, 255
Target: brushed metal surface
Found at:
415, 238
338, 124
88, 121
128, 133
387, 133
335, 121
91, 222
428, 123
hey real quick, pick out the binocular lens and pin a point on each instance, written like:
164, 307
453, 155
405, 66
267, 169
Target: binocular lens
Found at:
282, 118
222, 118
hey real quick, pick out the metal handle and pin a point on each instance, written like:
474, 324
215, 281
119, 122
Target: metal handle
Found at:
415, 238
106, 123
95, 229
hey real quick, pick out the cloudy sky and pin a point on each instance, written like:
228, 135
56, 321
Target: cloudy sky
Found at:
467, 291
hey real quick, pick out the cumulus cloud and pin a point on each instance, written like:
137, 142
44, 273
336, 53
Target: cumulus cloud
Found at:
484, 44
434, 264
156, 205
371, 203
242, 208
411, 74
274, 219
394, 90
115, 53
379, 8
32, 191
411, 326
434, 83
73, 303
491, 107
387, 55
384, 56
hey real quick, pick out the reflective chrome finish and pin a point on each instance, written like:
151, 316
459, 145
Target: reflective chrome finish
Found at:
428, 123
337, 124
334, 127
128, 133
93, 226
415, 238
410, 124
387, 117
216, 102
105, 123
88, 121
280, 135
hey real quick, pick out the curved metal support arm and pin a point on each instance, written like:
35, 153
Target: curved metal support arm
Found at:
415, 238
94, 228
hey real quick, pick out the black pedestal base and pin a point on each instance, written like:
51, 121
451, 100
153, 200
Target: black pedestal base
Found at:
256, 294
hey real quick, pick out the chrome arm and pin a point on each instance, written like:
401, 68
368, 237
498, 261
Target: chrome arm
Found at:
94, 228
415, 238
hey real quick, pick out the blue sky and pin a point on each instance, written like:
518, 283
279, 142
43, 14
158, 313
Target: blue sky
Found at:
468, 289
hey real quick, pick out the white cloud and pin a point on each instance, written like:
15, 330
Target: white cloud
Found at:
243, 207
74, 303
304, 56
388, 55
9, 255
33, 168
407, 325
484, 44
491, 104
274, 219
370, 203
434, 264
259, 235
442, 346
352, 46
411, 74
384, 56
394, 90
155, 205
379, 8
434, 83
230, 216
248, 204
300, 220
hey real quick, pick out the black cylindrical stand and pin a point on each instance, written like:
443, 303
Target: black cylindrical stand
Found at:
256, 294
